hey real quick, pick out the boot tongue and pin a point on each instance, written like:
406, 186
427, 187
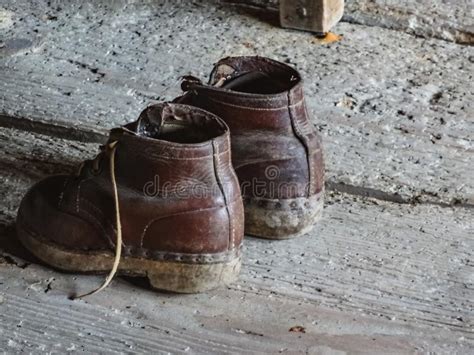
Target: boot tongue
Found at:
221, 73
150, 123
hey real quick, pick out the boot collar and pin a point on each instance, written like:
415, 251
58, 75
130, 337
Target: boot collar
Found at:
283, 83
174, 131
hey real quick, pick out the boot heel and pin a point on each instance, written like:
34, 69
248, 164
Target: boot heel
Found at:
192, 278
282, 219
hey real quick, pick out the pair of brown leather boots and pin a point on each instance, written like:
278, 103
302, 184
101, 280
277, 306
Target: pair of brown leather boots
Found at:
165, 200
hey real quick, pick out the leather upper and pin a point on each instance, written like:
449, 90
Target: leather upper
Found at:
178, 192
277, 152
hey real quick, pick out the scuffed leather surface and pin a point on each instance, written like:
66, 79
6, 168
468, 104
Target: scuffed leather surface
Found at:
77, 212
269, 132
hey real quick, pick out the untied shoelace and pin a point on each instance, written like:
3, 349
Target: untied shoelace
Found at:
111, 149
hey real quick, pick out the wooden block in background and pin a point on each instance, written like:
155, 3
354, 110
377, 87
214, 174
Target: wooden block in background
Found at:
311, 15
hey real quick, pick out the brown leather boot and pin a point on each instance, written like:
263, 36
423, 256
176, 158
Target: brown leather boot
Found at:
163, 187
276, 151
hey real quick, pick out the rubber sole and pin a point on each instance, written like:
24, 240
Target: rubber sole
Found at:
282, 219
163, 275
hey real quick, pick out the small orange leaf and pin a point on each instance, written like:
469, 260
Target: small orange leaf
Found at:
328, 39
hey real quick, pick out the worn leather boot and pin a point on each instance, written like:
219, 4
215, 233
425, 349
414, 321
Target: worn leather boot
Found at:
276, 151
161, 201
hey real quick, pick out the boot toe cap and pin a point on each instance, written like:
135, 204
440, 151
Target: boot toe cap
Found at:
42, 217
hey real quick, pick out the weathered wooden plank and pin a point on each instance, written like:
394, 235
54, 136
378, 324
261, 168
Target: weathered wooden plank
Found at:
395, 111
372, 277
129, 318
451, 21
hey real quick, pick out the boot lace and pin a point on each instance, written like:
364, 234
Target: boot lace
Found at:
110, 150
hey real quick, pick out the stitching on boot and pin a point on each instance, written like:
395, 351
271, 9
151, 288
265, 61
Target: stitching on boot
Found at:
98, 211
153, 255
142, 237
253, 108
219, 182
298, 133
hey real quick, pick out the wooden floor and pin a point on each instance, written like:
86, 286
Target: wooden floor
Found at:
390, 268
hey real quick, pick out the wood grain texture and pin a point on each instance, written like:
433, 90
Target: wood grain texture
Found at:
396, 112
373, 276
448, 20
